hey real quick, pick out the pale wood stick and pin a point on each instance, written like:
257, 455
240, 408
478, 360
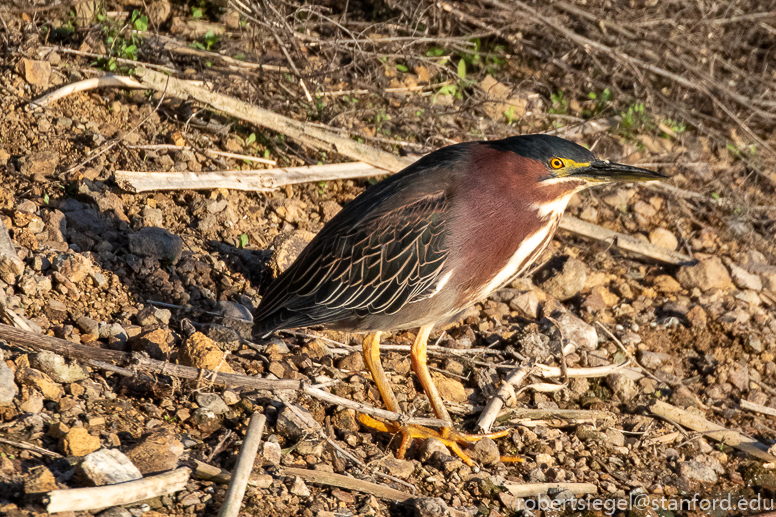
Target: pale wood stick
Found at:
87, 84
592, 372
98, 356
751, 406
622, 241
571, 416
711, 430
338, 480
30, 447
242, 471
299, 131
254, 180
534, 489
494, 405
80, 499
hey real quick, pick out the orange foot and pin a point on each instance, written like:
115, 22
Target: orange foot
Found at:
448, 436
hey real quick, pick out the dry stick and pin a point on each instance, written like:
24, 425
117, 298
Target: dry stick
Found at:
751, 406
98, 356
242, 471
173, 147
80, 499
87, 84
571, 416
494, 405
254, 181
338, 480
714, 431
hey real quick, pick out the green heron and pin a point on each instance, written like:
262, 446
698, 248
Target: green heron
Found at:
421, 246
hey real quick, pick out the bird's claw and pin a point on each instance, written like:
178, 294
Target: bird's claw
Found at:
448, 436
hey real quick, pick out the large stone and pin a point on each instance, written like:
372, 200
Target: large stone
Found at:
108, 467
37, 73
296, 422
74, 266
697, 472
40, 381
706, 274
39, 480
156, 243
158, 451
485, 452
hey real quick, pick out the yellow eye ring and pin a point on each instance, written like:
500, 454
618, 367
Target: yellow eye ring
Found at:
556, 163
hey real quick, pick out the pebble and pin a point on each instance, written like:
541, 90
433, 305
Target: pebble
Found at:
654, 360
156, 243
74, 266
11, 266
571, 327
401, 469
449, 389
428, 507
527, 303
37, 73
663, 238
205, 421
696, 471
151, 315
568, 282
485, 452
707, 274
54, 365
40, 381
212, 402
157, 451
200, 351
8, 388
39, 480
431, 446
353, 362
108, 467
295, 424
622, 386
299, 488
745, 280
270, 454
78, 442
287, 248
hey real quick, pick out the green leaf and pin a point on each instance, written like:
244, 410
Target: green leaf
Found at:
139, 22
243, 240
196, 13
462, 69
251, 138
435, 52
715, 196
402, 68
46, 198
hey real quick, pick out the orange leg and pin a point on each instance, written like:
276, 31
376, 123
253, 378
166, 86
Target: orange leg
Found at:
448, 436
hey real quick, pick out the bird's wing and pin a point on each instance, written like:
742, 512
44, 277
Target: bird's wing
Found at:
377, 263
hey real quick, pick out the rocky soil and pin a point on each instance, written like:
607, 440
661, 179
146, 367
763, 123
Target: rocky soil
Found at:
175, 275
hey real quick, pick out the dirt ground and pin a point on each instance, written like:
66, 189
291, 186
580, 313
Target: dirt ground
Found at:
176, 274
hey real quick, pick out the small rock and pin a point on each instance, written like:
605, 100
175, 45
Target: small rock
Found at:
402, 469
37, 73
235, 311
157, 343
696, 471
644, 209
429, 447
654, 360
299, 488
485, 452
345, 419
205, 421
151, 315
230, 398
353, 362
527, 303
287, 247
571, 327
74, 266
11, 266
663, 238
295, 423
78, 442
666, 284
745, 280
8, 388
707, 274
200, 351
212, 402
428, 507
40, 381
87, 325
156, 243
157, 451
32, 401
39, 480
568, 282
619, 200
158, 12
449, 389
270, 454
54, 365
116, 511
622, 386
108, 467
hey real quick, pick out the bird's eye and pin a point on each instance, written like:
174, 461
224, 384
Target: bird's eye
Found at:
556, 163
